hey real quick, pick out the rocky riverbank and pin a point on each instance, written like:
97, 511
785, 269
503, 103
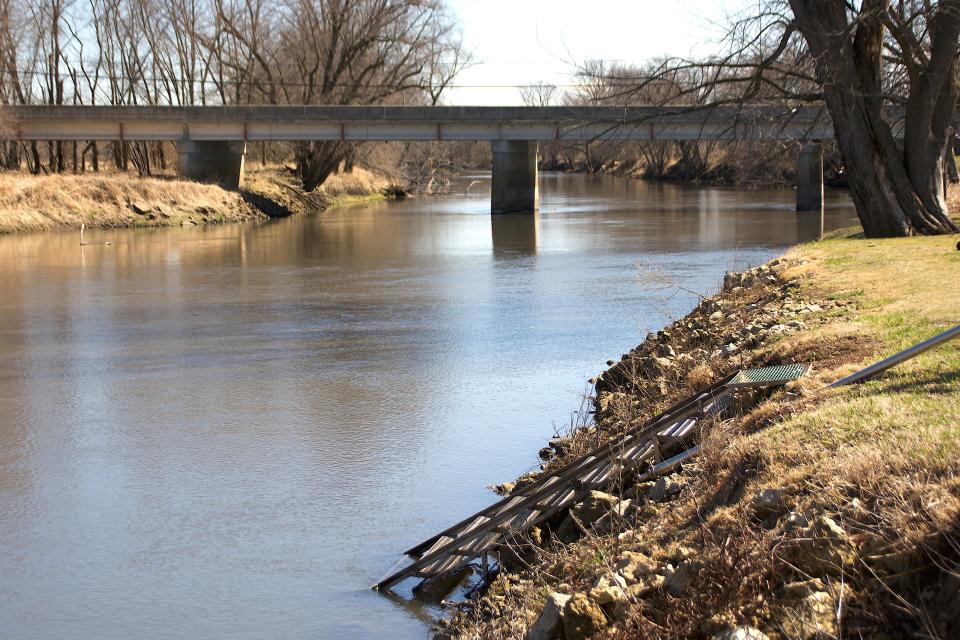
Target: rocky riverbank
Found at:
810, 513
61, 201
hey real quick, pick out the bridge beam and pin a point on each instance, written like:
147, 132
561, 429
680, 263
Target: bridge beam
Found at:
513, 187
810, 177
212, 161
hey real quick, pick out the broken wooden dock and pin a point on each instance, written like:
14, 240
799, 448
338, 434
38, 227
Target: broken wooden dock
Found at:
652, 444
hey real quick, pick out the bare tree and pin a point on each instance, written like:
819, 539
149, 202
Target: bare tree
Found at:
446, 57
11, 84
885, 70
856, 52
328, 52
538, 94
185, 52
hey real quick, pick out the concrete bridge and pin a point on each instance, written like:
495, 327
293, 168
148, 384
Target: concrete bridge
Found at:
211, 140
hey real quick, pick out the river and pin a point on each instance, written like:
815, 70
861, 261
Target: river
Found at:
232, 431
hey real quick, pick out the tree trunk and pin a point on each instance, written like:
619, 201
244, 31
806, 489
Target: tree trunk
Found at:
872, 170
896, 193
11, 155
953, 174
317, 160
33, 160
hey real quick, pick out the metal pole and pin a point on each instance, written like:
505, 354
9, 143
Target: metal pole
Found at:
668, 465
896, 359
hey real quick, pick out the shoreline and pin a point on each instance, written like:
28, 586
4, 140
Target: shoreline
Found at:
618, 169
30, 203
61, 202
802, 504
720, 175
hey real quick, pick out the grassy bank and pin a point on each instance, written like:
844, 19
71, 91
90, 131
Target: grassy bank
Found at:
40, 203
811, 513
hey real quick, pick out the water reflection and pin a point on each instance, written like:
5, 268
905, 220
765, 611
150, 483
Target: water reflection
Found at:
811, 224
231, 432
514, 233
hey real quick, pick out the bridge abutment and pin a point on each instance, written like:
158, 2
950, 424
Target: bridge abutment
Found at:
212, 161
810, 177
513, 187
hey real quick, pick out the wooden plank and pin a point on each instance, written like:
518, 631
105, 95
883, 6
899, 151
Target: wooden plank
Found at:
685, 428
476, 523
480, 544
540, 500
438, 544
603, 474
643, 451
448, 564
499, 512
685, 407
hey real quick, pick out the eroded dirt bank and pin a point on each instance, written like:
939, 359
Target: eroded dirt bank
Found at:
811, 513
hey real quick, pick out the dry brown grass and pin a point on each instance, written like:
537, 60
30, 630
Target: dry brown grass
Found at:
283, 193
37, 203
359, 183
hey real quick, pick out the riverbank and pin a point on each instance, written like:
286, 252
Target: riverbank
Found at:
62, 201
759, 167
812, 512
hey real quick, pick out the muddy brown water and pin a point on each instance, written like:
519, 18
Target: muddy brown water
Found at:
232, 431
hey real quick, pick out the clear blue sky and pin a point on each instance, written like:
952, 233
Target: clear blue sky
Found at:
525, 41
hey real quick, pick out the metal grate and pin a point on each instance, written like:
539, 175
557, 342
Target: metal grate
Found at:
766, 376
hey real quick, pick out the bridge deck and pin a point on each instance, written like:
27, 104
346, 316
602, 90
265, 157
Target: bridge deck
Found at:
382, 123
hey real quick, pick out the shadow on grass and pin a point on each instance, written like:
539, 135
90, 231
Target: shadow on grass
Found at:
268, 206
941, 383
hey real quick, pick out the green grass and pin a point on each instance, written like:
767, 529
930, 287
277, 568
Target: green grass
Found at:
904, 293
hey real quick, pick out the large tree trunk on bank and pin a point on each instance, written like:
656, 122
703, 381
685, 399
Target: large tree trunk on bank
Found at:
896, 192
317, 160
953, 173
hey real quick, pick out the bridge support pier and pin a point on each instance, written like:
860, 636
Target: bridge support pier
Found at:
513, 186
212, 161
810, 177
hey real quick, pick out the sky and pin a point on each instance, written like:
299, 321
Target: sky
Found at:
516, 42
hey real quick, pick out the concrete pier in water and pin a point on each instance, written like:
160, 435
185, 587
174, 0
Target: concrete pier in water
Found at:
810, 177
513, 185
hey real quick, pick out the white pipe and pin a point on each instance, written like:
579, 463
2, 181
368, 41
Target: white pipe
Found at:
897, 358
